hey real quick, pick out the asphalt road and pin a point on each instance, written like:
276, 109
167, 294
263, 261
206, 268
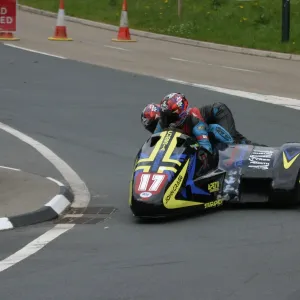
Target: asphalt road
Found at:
89, 116
16, 154
23, 192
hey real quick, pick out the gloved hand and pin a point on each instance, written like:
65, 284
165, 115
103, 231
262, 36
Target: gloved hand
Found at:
206, 161
203, 157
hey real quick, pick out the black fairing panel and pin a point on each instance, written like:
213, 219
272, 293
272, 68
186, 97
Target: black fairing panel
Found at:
259, 174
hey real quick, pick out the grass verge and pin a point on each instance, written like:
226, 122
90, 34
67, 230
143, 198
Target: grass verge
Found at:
245, 23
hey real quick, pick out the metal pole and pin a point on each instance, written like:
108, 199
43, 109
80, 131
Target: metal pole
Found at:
179, 8
285, 20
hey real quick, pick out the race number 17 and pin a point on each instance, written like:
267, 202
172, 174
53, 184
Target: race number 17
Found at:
150, 182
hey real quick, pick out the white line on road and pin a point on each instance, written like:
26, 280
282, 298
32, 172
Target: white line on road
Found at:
34, 51
190, 61
56, 181
80, 190
237, 69
34, 246
283, 101
9, 168
215, 65
117, 48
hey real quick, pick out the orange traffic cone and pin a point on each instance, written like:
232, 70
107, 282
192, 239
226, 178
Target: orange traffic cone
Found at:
8, 36
124, 34
60, 33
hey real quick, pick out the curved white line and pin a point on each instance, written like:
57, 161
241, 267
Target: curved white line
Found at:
56, 181
9, 168
79, 188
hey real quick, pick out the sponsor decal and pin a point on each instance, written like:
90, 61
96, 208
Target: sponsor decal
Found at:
288, 160
214, 186
146, 195
213, 203
260, 159
175, 188
165, 141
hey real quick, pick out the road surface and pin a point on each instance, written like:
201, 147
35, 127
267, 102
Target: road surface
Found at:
89, 116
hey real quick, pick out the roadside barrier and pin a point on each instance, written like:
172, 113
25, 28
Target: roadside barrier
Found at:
124, 32
8, 20
60, 33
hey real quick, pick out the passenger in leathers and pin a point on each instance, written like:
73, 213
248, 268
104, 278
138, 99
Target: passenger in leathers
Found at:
174, 111
217, 113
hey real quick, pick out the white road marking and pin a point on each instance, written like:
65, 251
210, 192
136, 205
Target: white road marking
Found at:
80, 190
3, 167
283, 101
215, 65
34, 246
56, 181
293, 106
34, 51
191, 61
117, 48
238, 69
5, 224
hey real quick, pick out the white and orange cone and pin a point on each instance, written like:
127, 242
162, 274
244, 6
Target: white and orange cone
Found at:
60, 33
8, 36
124, 33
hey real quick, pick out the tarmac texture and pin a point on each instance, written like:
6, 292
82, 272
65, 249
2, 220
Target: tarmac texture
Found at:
90, 116
22, 192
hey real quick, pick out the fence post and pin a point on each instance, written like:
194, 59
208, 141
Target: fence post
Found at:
285, 34
179, 8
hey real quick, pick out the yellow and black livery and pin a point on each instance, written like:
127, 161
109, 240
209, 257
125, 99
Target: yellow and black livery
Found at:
163, 181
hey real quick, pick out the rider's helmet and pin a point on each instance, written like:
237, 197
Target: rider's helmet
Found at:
150, 115
174, 110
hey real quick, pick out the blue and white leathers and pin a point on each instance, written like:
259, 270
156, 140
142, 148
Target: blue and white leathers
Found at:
221, 134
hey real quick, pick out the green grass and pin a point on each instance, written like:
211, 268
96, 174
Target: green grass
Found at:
253, 24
